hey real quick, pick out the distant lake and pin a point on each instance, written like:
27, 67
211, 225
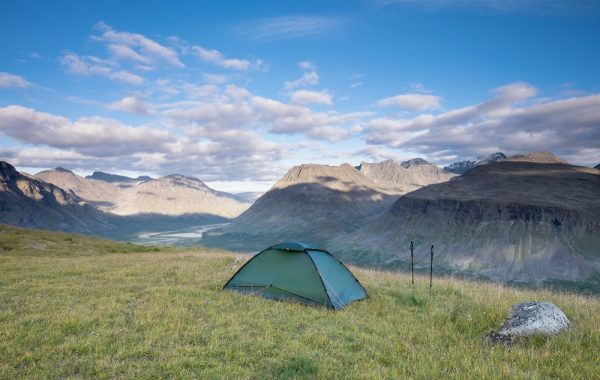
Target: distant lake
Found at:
183, 237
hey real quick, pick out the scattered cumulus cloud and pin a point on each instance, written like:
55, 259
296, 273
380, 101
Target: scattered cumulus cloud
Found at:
12, 81
305, 97
214, 78
94, 66
89, 142
511, 121
135, 47
306, 65
310, 78
90, 135
217, 58
412, 102
131, 104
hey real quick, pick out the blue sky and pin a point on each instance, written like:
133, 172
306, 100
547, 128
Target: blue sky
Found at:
237, 92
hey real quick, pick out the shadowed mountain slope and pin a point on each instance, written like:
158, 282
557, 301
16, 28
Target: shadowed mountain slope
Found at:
509, 221
310, 203
107, 177
29, 202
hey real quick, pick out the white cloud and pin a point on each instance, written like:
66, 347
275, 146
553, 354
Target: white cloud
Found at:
304, 97
131, 104
93, 142
214, 78
90, 65
123, 52
293, 119
217, 58
356, 84
236, 108
290, 27
306, 65
136, 47
505, 122
12, 81
89, 135
310, 78
413, 102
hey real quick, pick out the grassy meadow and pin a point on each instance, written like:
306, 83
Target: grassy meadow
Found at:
78, 307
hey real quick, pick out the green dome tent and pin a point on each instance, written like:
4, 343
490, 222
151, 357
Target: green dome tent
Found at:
298, 272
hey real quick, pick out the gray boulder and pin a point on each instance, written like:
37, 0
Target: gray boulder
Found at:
530, 318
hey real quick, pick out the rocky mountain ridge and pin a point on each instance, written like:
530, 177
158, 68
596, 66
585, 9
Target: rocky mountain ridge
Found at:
463, 166
404, 177
29, 202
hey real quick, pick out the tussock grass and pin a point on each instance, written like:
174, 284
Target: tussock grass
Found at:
87, 312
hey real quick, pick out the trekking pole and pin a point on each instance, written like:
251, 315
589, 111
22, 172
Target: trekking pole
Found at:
412, 262
431, 268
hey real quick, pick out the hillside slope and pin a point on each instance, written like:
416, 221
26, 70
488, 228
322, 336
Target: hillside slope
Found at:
510, 221
72, 309
310, 203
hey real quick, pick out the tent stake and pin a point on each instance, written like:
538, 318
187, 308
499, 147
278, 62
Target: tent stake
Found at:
412, 262
431, 268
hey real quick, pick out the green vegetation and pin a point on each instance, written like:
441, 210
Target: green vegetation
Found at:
73, 309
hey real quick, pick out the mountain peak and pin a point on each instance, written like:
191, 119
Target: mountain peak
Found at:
540, 157
414, 162
340, 177
108, 177
400, 178
490, 158
461, 167
63, 170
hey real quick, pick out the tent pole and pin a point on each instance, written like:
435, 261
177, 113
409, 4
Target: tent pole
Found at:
412, 262
431, 268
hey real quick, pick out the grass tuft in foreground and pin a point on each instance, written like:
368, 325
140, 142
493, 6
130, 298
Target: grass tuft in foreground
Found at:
76, 310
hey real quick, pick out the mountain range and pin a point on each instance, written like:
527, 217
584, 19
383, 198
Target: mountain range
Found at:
316, 202
173, 195
526, 218
59, 199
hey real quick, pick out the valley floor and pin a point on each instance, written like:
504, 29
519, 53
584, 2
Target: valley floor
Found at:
76, 307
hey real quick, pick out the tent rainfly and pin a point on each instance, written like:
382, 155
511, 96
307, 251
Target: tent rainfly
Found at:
298, 272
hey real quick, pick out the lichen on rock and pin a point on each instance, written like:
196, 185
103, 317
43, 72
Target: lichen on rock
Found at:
529, 318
